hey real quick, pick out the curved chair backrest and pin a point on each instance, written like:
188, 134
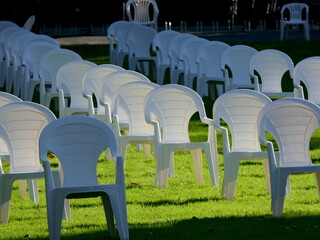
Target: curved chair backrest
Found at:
69, 77
173, 105
93, 78
307, 71
298, 12
117, 32
6, 23
292, 122
237, 58
29, 22
37, 38
21, 124
145, 12
209, 57
240, 108
160, 45
111, 83
51, 62
78, 142
130, 98
6, 98
32, 54
114, 80
188, 51
174, 46
139, 41
271, 65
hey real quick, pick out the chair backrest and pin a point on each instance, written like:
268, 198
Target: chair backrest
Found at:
114, 80
174, 47
6, 23
297, 12
208, 57
143, 11
93, 79
307, 72
119, 31
291, 121
37, 38
51, 62
69, 77
237, 59
29, 22
188, 51
130, 98
139, 41
160, 45
111, 83
173, 105
6, 98
21, 124
271, 65
78, 141
32, 54
240, 108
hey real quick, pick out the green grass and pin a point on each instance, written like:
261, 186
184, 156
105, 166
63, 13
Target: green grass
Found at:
185, 210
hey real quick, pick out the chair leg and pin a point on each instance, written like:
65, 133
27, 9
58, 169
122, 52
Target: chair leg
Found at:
33, 189
212, 165
22, 188
120, 214
147, 150
197, 162
55, 216
5, 198
278, 192
164, 168
265, 164
231, 168
109, 214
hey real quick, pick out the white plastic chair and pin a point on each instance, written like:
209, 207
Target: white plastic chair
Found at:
19, 43
6, 98
306, 77
78, 141
291, 122
269, 66
117, 33
28, 72
107, 88
209, 74
160, 45
91, 82
145, 12
9, 54
49, 65
139, 41
235, 60
169, 109
69, 79
130, 99
20, 126
187, 54
14, 45
176, 66
239, 109
293, 14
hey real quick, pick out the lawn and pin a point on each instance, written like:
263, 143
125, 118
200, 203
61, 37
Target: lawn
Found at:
185, 210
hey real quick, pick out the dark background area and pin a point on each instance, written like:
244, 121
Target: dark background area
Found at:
66, 12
